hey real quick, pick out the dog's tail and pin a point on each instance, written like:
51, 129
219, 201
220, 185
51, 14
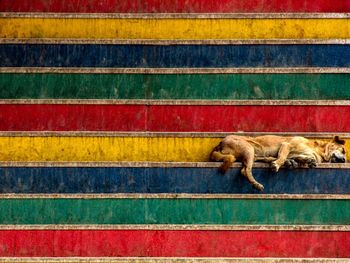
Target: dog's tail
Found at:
216, 155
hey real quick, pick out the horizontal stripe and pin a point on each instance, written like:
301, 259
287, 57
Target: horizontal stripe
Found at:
173, 42
74, 117
308, 228
175, 211
320, 135
109, 148
174, 15
174, 118
185, 243
176, 86
169, 6
17, 196
170, 56
152, 165
270, 70
147, 102
175, 28
176, 180
170, 260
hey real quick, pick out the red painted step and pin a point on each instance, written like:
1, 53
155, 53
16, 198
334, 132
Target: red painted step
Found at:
174, 118
173, 243
174, 6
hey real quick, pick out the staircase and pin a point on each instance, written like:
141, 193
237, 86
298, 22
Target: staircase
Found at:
109, 111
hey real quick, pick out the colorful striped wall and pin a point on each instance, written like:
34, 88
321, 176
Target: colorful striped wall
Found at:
109, 110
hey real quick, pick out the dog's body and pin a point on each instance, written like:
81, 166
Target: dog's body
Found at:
277, 150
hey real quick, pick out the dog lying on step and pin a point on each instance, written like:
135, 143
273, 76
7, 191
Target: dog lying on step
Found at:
277, 150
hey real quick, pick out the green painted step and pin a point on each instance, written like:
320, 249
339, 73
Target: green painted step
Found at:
174, 211
174, 86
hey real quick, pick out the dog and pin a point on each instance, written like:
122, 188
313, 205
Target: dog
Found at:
291, 152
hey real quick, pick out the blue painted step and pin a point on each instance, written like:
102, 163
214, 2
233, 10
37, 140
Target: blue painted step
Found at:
177, 56
170, 180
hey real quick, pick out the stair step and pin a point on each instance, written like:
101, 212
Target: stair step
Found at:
169, 178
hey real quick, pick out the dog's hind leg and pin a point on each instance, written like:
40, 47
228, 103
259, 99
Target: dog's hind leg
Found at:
248, 161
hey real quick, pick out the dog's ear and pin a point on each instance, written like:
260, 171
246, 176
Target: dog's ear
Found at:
338, 140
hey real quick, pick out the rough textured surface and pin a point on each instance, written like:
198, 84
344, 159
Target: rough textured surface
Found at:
101, 42
174, 211
175, 86
174, 28
174, 118
158, 149
171, 6
105, 148
170, 180
169, 260
174, 56
141, 243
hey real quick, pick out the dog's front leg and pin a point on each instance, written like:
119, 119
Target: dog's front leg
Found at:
282, 156
307, 159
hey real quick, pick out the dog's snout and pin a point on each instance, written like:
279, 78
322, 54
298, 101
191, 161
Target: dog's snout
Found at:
338, 158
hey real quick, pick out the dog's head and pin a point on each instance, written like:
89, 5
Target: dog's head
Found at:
335, 151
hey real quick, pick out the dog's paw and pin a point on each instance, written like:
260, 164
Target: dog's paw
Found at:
258, 186
291, 164
311, 163
223, 169
275, 167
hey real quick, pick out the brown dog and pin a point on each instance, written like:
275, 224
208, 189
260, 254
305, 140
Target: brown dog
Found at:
277, 150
